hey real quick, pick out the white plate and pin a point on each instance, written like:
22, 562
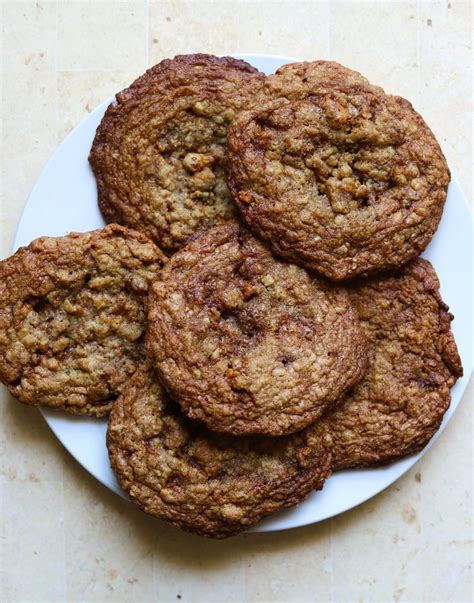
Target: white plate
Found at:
64, 199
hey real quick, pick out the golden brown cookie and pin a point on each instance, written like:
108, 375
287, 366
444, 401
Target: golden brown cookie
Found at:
336, 175
72, 317
413, 362
204, 482
249, 344
159, 152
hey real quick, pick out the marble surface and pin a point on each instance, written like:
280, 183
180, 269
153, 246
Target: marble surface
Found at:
64, 537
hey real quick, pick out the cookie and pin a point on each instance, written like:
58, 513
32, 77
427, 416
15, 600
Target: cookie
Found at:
72, 317
413, 362
336, 175
203, 482
159, 154
249, 344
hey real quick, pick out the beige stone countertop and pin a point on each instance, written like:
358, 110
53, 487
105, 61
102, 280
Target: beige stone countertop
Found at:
64, 537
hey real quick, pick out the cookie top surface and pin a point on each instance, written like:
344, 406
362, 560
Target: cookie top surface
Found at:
211, 484
413, 362
72, 317
159, 155
299, 80
247, 343
336, 175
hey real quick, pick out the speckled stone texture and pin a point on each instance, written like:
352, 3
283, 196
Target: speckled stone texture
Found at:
60, 61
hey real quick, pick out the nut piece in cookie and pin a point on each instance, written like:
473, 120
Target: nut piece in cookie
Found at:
203, 482
159, 154
336, 175
249, 344
72, 317
413, 362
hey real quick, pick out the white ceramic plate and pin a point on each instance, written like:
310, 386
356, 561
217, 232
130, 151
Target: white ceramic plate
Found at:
64, 199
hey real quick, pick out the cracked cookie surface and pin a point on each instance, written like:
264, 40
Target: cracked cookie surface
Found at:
247, 343
334, 174
159, 155
413, 362
211, 484
72, 317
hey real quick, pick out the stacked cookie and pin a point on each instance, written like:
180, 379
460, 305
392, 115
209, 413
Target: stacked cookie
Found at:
287, 329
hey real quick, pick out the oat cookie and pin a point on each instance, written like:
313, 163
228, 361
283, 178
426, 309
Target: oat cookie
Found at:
72, 317
159, 152
203, 482
413, 362
336, 175
247, 343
